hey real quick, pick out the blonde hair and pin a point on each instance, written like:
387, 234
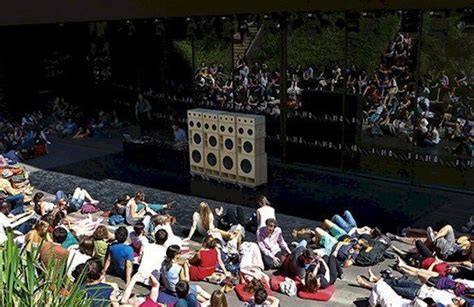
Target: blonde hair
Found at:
204, 213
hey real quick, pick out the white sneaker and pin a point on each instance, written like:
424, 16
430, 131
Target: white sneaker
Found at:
430, 234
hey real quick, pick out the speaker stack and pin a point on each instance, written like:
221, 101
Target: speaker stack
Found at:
228, 146
251, 156
196, 141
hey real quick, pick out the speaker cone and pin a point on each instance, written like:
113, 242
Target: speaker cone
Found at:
196, 156
214, 127
191, 124
250, 131
222, 128
197, 138
212, 141
241, 130
228, 163
206, 126
198, 124
211, 159
247, 146
229, 144
246, 166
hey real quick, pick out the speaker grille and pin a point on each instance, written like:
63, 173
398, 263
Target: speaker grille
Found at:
228, 163
212, 141
197, 138
246, 166
229, 144
211, 159
196, 156
248, 147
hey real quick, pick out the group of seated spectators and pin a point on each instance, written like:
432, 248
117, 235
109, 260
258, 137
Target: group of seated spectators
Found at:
140, 246
68, 120
23, 138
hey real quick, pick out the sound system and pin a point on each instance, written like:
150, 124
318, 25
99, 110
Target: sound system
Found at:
229, 147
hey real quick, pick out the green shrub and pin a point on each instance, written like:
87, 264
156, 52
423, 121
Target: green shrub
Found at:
23, 284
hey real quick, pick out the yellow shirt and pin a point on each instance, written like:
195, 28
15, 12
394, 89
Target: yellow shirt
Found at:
6, 187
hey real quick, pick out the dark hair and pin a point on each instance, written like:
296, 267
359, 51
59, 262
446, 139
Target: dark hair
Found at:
121, 234
182, 289
86, 246
140, 196
171, 253
161, 236
260, 296
76, 273
271, 221
93, 269
209, 242
311, 282
253, 286
101, 233
123, 199
138, 228
260, 199
308, 254
37, 197
59, 235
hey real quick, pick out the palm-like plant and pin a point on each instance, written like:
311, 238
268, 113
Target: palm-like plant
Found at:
23, 282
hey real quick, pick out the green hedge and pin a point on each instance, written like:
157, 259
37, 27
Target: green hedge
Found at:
447, 48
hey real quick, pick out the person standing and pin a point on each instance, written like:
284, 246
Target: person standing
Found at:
143, 114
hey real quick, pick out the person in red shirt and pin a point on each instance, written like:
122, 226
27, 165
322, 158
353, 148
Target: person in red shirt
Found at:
205, 261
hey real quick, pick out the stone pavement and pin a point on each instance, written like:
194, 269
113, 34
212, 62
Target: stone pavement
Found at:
107, 190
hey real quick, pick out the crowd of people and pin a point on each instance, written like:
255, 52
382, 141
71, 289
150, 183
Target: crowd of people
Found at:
139, 245
393, 103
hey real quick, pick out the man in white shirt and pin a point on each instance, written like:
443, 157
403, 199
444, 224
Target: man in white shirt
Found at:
152, 256
14, 222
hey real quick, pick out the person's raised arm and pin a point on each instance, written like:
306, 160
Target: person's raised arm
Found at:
128, 271
106, 262
221, 263
193, 228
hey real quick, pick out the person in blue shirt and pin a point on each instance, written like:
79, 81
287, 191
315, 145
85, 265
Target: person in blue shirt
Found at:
179, 134
120, 255
185, 298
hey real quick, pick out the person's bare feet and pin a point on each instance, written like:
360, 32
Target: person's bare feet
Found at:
361, 282
372, 277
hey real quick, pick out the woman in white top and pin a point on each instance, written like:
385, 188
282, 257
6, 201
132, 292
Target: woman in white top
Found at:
265, 211
203, 221
41, 206
137, 209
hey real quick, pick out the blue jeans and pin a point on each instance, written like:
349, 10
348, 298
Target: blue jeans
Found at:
404, 287
346, 223
60, 195
17, 202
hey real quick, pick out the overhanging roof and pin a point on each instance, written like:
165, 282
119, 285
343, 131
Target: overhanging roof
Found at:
16, 12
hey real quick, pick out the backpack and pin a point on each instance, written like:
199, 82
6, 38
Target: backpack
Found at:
371, 255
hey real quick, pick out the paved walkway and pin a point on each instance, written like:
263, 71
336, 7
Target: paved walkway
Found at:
107, 190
